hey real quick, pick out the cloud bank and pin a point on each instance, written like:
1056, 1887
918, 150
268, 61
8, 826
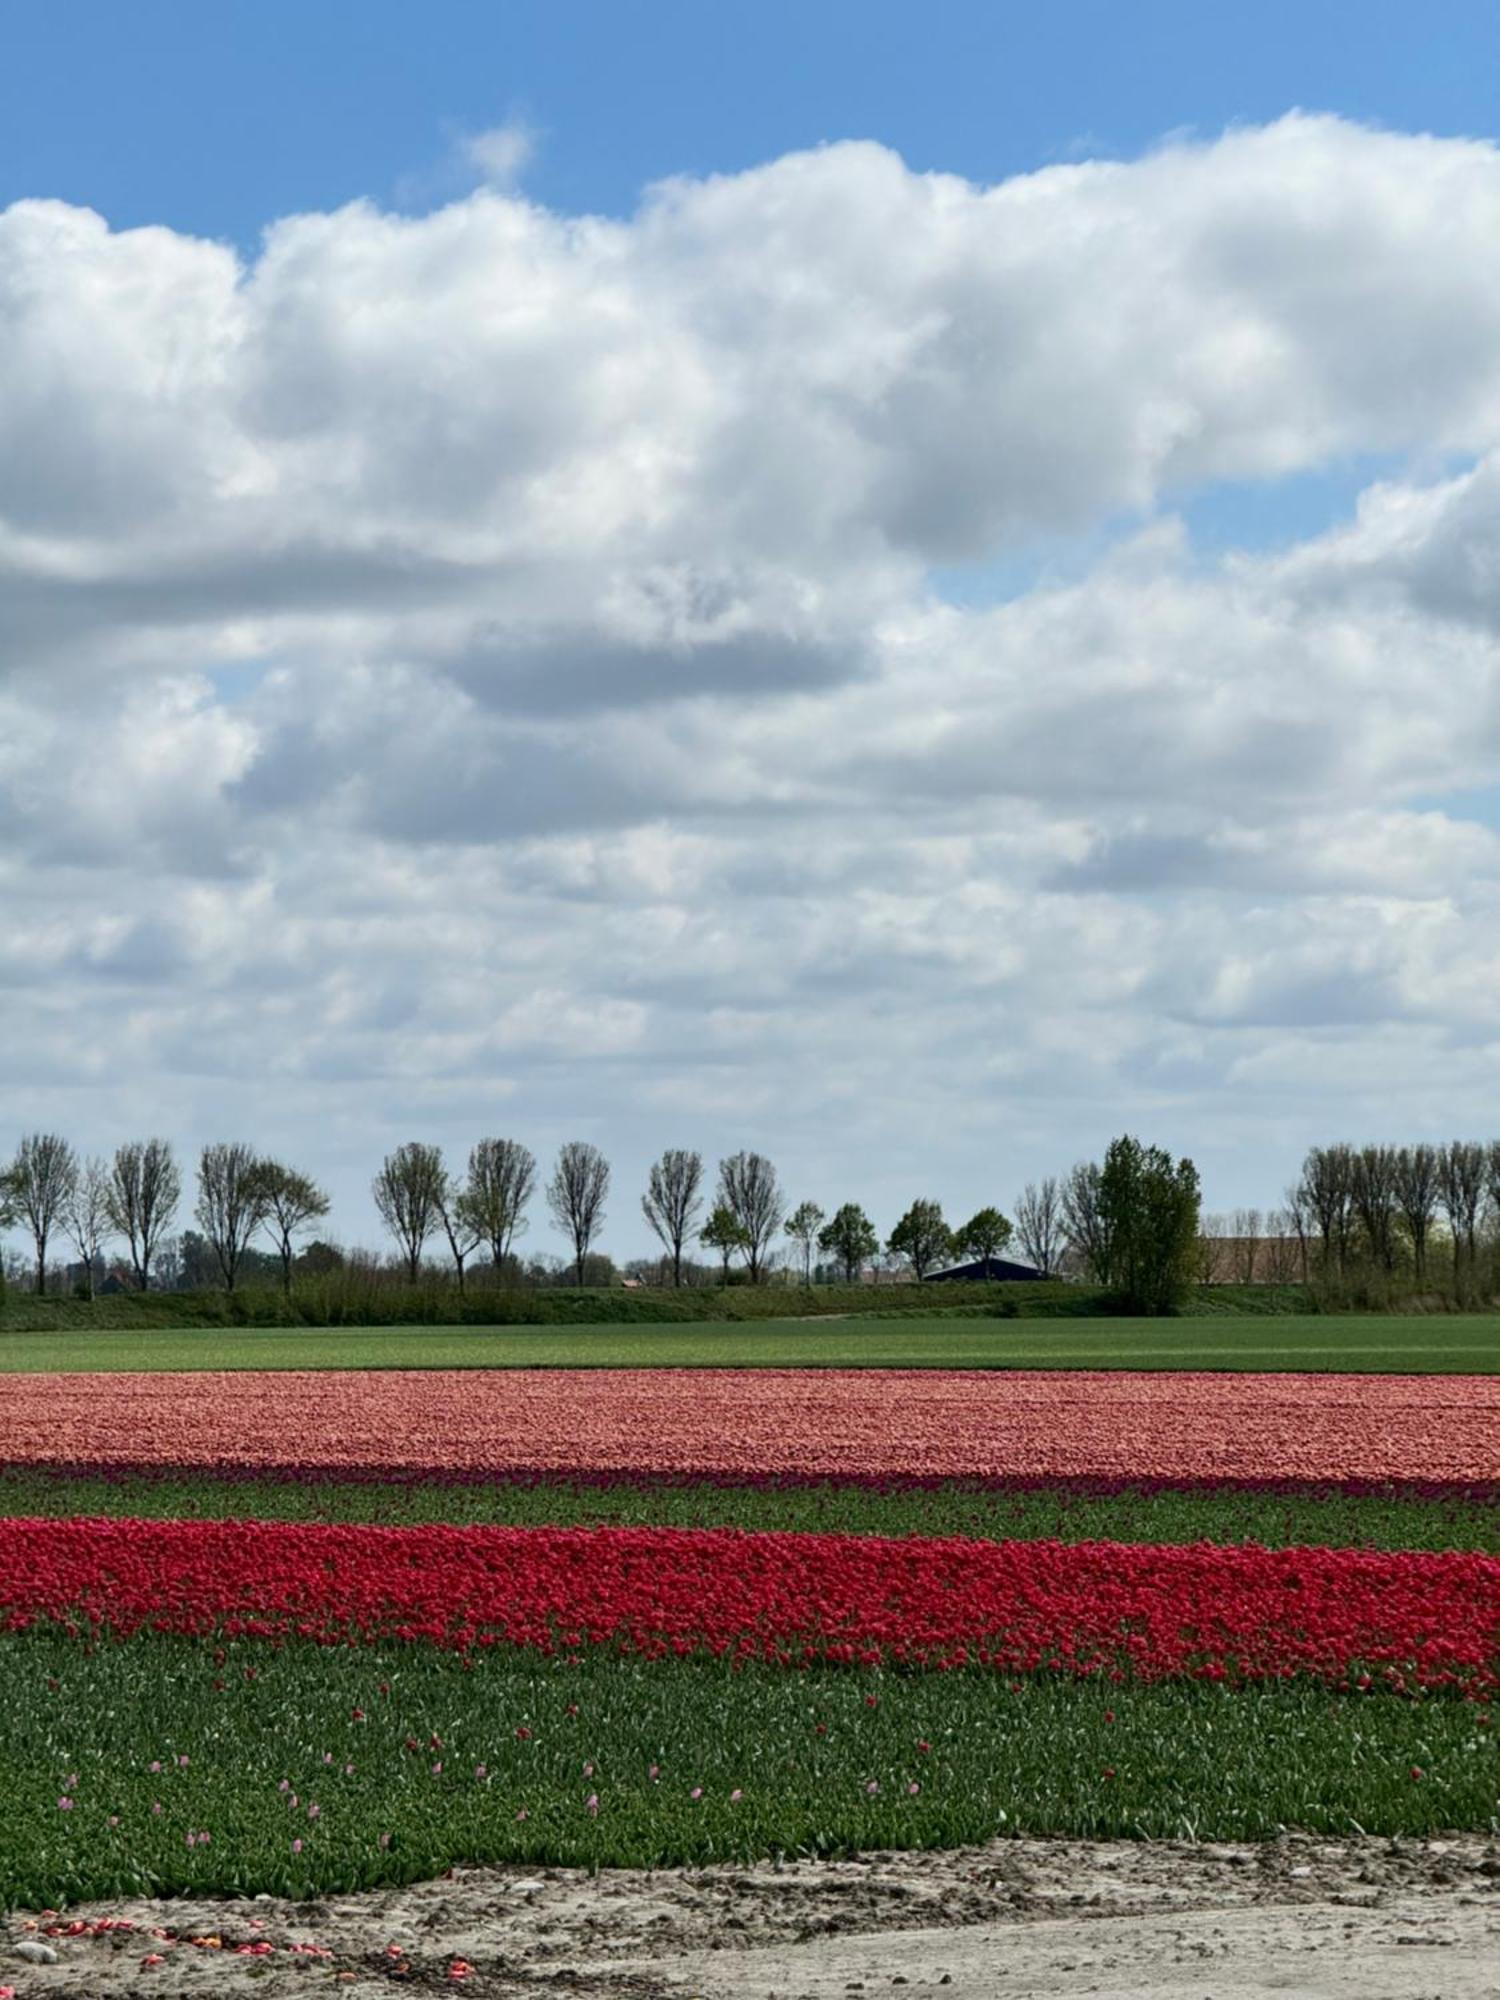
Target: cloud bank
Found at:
748, 674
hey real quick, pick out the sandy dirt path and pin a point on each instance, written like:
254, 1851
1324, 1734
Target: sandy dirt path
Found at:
1323, 1920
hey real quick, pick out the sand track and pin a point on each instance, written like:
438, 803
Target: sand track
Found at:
1322, 1919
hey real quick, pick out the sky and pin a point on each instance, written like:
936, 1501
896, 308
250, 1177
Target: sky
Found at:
907, 588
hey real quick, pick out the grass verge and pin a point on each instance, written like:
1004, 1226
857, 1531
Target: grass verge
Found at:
168, 1766
1376, 1344
1329, 1518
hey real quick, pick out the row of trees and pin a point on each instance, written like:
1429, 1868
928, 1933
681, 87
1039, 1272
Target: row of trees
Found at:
1128, 1223
134, 1198
1389, 1209
1118, 1218
746, 1214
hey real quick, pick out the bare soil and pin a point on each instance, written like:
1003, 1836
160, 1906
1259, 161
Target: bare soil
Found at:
1318, 1919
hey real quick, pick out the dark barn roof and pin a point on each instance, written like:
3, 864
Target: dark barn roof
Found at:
986, 1267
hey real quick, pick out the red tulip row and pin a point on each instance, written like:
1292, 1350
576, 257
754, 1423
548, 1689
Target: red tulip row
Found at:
877, 1425
1241, 1613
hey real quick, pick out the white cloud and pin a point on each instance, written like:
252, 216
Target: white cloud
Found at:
500, 155
487, 666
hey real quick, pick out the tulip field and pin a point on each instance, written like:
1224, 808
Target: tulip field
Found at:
298, 1631
751, 1425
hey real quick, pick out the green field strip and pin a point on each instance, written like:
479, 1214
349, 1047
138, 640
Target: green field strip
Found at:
823, 1761
1375, 1344
1275, 1520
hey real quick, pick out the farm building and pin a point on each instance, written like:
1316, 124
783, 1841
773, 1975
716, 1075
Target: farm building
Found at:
986, 1267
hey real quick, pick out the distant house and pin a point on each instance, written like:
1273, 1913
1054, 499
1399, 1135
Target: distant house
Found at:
983, 1268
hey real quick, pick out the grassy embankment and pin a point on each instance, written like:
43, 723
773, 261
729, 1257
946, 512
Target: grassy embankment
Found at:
1376, 1343
359, 1298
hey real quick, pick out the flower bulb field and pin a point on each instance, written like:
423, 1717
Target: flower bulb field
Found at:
299, 1631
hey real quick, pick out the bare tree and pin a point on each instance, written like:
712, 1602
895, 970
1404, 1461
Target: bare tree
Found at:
1084, 1221
1327, 1190
1039, 1224
41, 1180
290, 1201
749, 1189
1463, 1172
1300, 1223
1373, 1191
86, 1217
1249, 1227
145, 1187
672, 1201
803, 1226
407, 1193
1283, 1257
1416, 1188
502, 1179
576, 1195
231, 1203
461, 1225
1211, 1263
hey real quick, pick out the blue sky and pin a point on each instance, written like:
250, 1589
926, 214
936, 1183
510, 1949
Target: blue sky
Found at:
838, 661
217, 118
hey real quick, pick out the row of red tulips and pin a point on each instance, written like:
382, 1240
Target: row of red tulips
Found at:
1241, 1613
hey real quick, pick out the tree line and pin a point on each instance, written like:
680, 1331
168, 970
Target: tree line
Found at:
134, 1198
1423, 1212
1121, 1222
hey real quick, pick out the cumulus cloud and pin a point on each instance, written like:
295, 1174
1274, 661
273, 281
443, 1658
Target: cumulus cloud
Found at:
494, 665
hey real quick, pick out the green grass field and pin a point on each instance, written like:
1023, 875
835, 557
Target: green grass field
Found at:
305, 1769
1376, 1343
1329, 1518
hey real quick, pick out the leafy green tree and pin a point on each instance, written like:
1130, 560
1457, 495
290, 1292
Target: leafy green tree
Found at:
984, 1235
802, 1225
1149, 1210
922, 1237
850, 1237
725, 1233
320, 1259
